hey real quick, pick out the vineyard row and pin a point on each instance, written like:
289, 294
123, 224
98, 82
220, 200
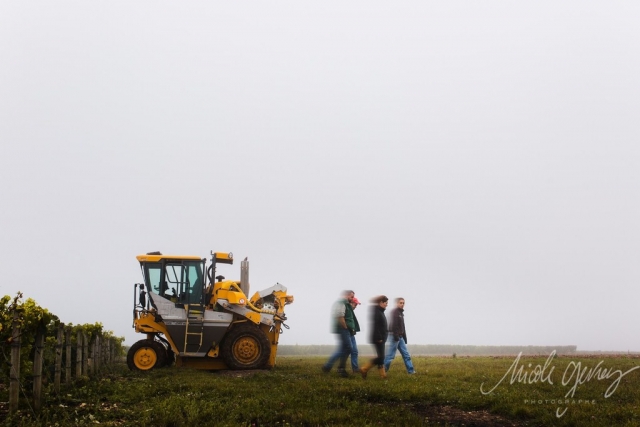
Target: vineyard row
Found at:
34, 345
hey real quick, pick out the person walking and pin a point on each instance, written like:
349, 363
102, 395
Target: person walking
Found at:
342, 316
398, 338
354, 327
379, 332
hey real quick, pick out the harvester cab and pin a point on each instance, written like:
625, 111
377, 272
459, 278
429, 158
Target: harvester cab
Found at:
198, 319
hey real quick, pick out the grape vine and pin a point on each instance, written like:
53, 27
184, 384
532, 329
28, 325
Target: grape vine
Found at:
31, 318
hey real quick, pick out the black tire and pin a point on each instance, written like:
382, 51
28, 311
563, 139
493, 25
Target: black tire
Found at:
246, 347
162, 354
146, 355
171, 356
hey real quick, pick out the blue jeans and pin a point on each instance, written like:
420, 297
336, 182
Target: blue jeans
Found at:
354, 354
344, 350
391, 354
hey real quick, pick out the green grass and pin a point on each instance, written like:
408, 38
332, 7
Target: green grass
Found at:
446, 391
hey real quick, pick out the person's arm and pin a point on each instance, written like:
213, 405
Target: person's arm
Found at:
340, 314
342, 322
380, 328
395, 325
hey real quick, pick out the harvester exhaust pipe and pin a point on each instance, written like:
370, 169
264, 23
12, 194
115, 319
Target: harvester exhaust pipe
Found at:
244, 277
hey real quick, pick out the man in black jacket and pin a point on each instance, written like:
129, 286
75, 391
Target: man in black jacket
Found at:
398, 338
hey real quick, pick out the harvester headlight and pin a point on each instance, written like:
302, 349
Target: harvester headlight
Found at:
230, 255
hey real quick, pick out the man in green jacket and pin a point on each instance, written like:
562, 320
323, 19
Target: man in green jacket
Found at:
343, 325
355, 328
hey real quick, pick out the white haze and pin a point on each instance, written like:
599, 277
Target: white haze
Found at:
479, 159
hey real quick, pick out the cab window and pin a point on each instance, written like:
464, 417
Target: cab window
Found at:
152, 277
184, 282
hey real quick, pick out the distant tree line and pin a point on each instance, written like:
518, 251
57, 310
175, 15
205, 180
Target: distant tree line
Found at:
435, 350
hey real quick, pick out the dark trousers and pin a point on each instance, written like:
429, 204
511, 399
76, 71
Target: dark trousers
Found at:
379, 360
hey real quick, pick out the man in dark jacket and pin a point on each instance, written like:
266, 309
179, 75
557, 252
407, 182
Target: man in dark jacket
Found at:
398, 338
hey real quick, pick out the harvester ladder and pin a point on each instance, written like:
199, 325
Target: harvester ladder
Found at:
194, 326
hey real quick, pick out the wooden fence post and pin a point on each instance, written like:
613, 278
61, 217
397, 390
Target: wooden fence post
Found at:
67, 339
14, 386
93, 355
58, 368
37, 368
92, 359
85, 354
79, 355
98, 353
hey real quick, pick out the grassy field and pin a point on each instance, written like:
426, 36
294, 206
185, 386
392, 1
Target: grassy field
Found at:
445, 391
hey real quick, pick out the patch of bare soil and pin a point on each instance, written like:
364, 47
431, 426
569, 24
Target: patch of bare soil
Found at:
450, 416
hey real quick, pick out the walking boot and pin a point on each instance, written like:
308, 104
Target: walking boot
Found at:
382, 372
365, 369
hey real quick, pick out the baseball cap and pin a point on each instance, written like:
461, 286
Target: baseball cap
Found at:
355, 301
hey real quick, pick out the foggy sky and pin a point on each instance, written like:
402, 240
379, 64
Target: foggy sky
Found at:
479, 159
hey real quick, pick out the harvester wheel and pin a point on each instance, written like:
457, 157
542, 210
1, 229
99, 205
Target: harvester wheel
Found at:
171, 356
246, 347
146, 355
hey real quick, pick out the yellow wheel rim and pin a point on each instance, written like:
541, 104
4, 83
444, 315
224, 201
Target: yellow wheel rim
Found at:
145, 358
246, 350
